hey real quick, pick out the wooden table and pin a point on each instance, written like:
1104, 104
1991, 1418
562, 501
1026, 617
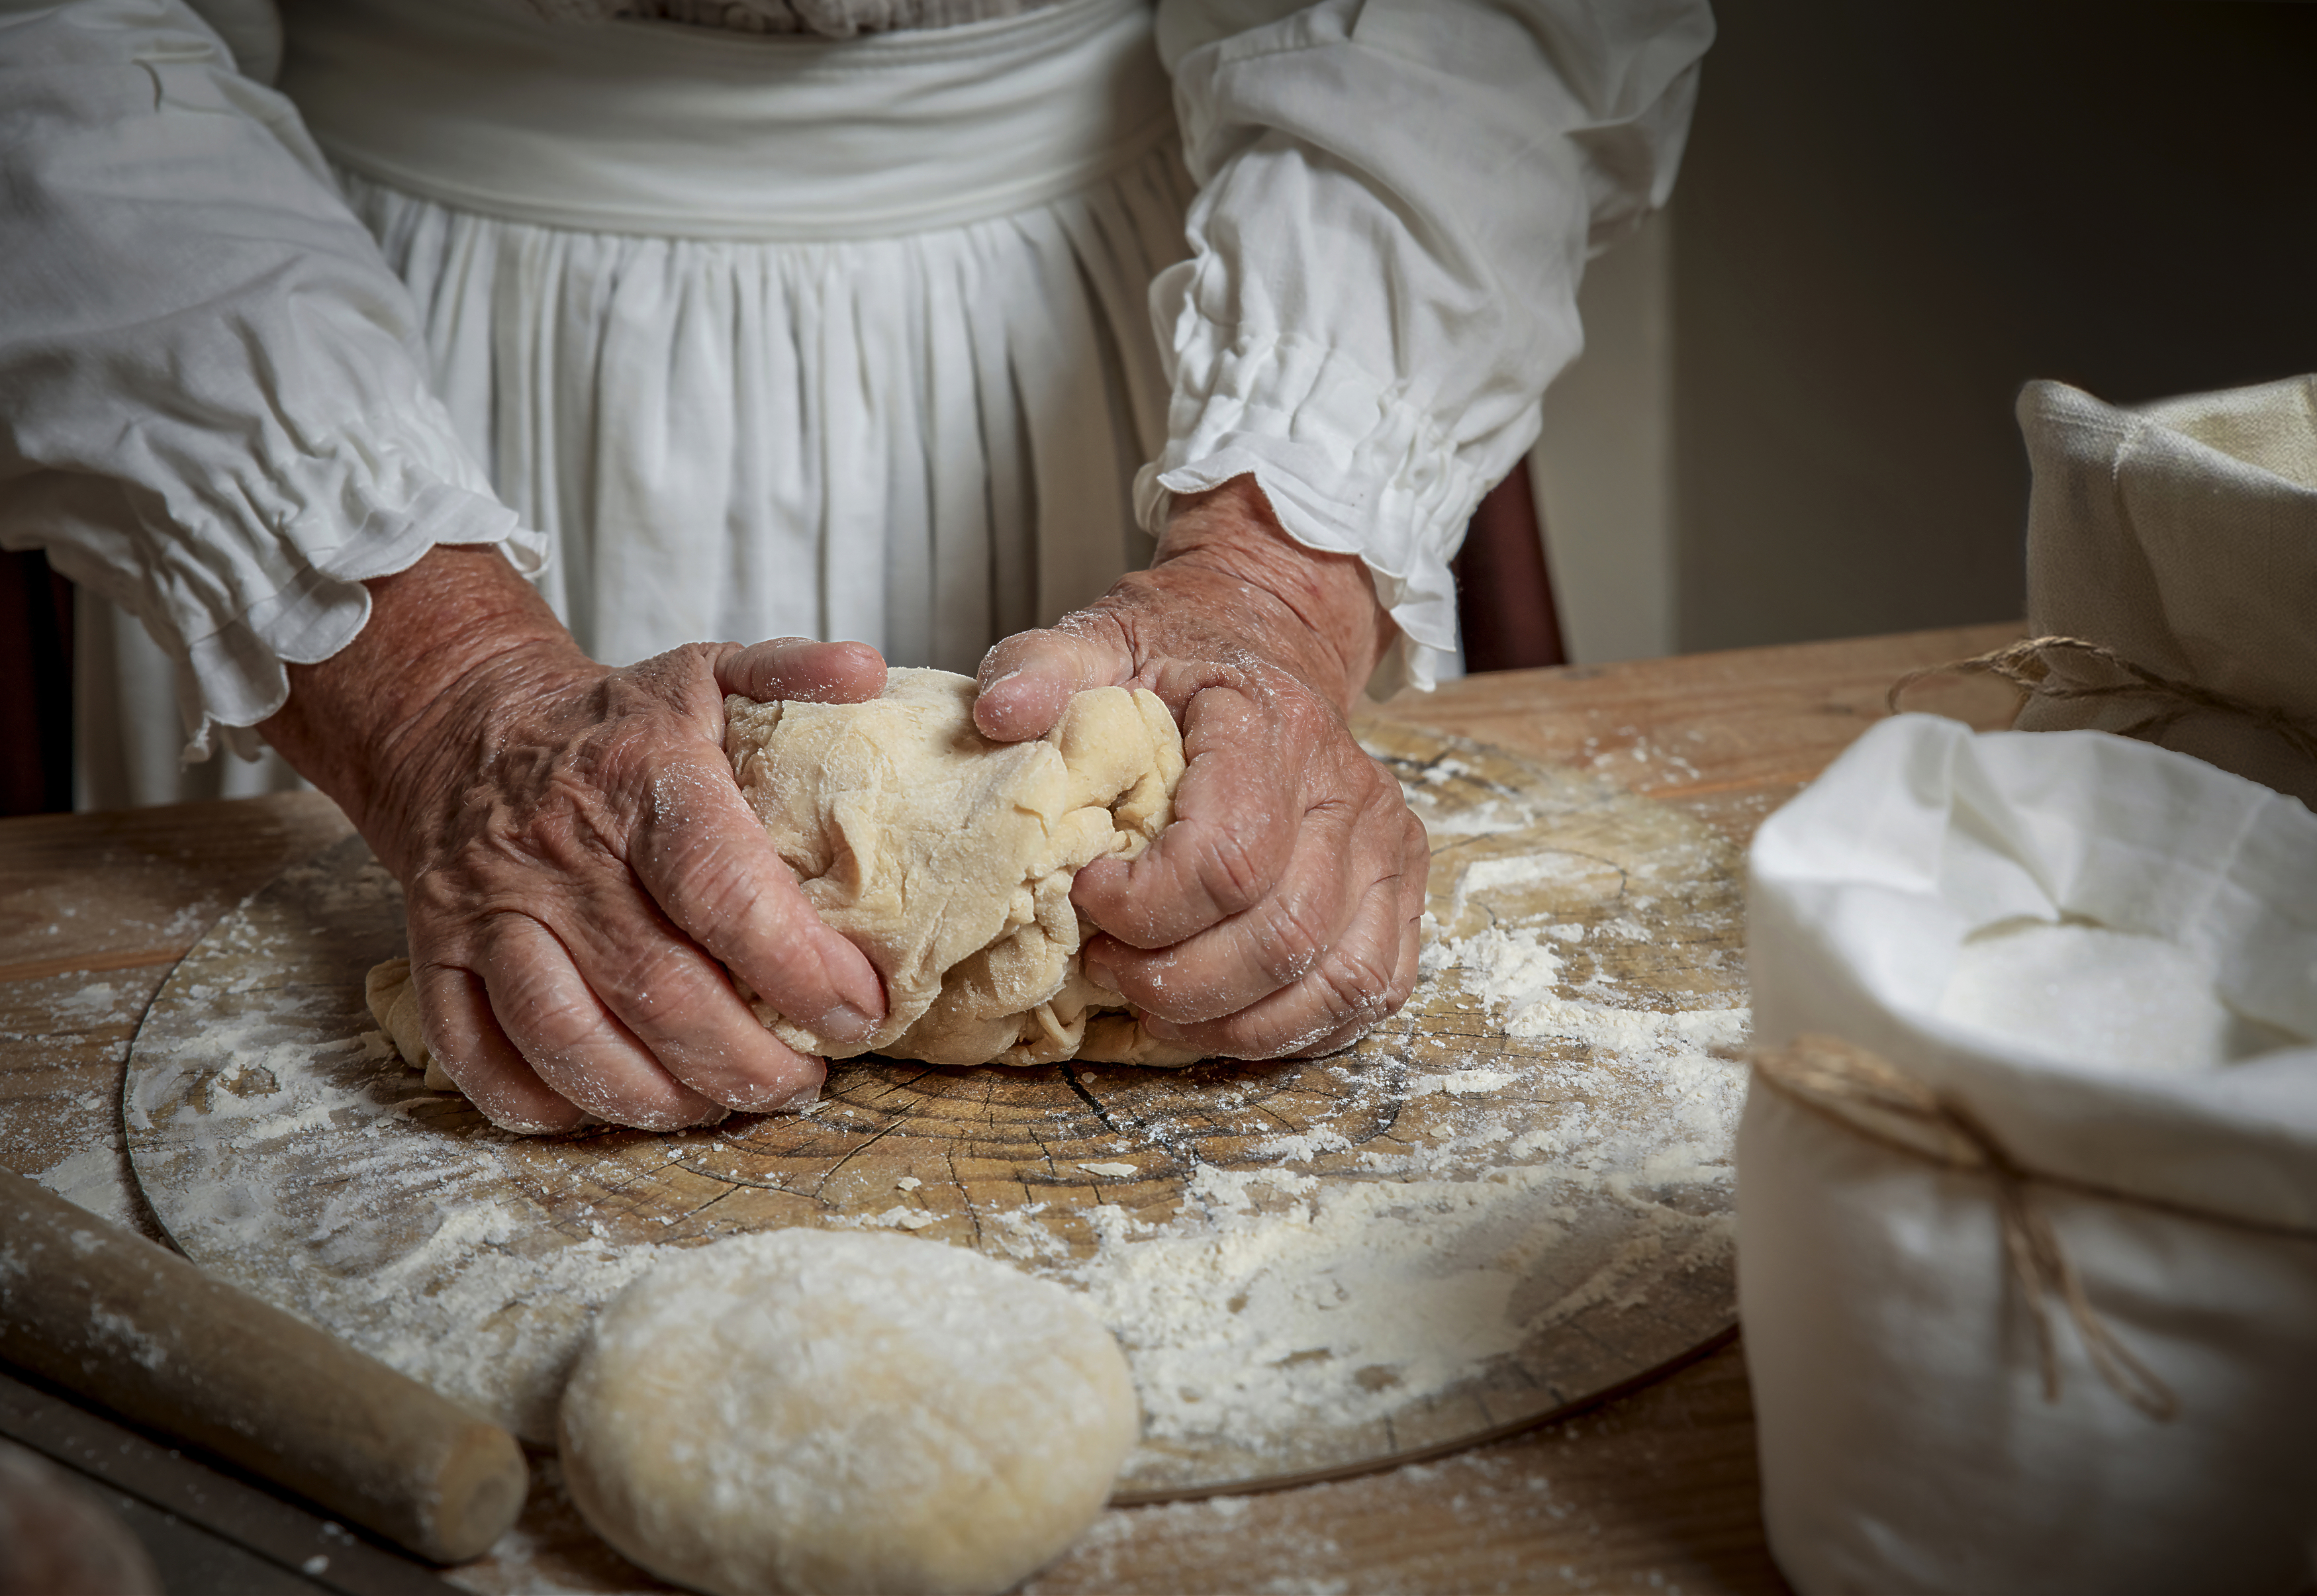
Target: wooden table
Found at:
1654, 1492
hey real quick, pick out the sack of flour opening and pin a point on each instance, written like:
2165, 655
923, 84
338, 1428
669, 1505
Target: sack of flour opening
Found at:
2181, 538
2027, 1172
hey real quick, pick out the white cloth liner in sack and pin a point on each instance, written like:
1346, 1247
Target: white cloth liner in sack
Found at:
1906, 1440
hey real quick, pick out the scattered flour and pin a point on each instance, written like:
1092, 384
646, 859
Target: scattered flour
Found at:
96, 1001
1462, 1082
1455, 1208
1275, 1300
898, 1217
94, 1179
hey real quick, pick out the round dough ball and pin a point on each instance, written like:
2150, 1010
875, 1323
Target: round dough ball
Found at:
813, 1412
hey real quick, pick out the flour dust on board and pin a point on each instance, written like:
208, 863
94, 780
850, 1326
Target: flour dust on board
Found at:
1513, 1195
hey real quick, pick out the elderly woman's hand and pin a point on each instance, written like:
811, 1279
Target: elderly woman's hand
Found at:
1278, 914
578, 863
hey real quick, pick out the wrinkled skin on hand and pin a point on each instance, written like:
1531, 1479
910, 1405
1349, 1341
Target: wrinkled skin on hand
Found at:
581, 867
575, 857
1278, 916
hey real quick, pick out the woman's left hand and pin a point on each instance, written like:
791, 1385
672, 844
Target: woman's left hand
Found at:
1278, 913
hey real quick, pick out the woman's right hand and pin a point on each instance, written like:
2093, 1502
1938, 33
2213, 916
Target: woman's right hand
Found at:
579, 865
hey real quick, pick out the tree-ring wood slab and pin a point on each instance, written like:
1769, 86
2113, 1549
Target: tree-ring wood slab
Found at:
1513, 1198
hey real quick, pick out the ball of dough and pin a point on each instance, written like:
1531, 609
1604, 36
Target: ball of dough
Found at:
948, 859
816, 1412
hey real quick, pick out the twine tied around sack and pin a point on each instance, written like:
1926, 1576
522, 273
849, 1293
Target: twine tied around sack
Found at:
2054, 668
1827, 1073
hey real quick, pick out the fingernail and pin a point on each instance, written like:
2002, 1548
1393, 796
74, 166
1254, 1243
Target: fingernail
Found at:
797, 1101
860, 995
845, 1023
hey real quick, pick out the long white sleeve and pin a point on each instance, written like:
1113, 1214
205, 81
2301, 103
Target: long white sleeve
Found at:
1398, 198
213, 398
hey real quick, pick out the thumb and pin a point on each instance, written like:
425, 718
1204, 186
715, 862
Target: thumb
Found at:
791, 668
1029, 679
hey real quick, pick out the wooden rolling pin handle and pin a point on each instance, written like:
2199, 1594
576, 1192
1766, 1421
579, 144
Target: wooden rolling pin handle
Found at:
137, 1328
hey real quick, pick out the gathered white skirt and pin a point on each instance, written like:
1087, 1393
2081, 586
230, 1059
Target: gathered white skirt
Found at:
770, 336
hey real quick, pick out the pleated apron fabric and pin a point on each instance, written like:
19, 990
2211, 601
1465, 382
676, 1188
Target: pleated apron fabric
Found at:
843, 338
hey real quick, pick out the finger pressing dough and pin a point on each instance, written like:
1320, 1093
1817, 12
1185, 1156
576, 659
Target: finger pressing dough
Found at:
812, 1411
948, 859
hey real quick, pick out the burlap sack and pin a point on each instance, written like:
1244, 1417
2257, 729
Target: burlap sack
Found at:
2015, 1320
2183, 536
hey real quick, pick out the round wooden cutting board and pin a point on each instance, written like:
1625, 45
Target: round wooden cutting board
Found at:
1513, 1198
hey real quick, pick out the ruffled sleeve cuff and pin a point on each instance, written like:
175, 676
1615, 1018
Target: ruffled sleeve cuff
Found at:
284, 550
1350, 466
238, 675
218, 416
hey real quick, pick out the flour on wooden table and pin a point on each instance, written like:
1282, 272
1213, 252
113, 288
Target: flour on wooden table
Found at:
1537, 1140
410, 1252
1272, 1299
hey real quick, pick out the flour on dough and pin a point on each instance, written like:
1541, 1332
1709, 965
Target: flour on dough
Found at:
813, 1412
948, 859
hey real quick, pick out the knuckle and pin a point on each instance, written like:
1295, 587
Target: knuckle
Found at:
715, 895
1290, 942
647, 984
1403, 977
1416, 844
547, 1019
1233, 870
542, 1012
1353, 988
1343, 998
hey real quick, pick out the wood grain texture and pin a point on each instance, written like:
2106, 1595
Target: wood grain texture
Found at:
136, 887
1656, 1491
1565, 1186
94, 910
1728, 737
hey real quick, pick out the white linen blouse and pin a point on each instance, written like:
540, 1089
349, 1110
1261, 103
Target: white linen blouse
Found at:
230, 373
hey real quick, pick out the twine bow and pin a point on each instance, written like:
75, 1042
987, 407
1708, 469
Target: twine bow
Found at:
2065, 668
1830, 1075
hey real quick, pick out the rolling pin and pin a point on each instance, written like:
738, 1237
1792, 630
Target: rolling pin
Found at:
137, 1328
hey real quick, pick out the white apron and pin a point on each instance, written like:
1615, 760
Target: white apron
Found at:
772, 335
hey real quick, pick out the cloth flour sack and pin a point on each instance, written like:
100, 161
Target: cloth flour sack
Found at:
2183, 536
2102, 958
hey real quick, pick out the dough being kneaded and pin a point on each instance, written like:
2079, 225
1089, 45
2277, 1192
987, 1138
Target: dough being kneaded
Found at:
948, 859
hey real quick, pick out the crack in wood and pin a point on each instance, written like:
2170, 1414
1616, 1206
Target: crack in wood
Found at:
1091, 1101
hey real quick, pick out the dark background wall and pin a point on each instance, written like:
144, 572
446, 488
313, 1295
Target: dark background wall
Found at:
1892, 215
